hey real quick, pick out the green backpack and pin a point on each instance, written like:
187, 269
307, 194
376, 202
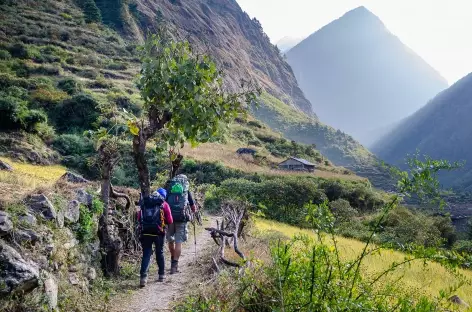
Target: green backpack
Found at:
177, 198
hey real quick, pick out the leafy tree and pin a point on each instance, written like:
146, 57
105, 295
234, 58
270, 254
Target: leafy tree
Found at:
111, 12
91, 11
183, 98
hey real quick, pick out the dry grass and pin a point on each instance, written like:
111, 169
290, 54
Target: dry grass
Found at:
417, 278
26, 177
226, 154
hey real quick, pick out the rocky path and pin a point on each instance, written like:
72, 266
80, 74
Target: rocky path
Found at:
159, 296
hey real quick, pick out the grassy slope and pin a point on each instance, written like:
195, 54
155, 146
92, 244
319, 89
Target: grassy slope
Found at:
339, 147
25, 178
417, 278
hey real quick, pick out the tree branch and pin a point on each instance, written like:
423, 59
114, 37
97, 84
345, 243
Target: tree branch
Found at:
115, 194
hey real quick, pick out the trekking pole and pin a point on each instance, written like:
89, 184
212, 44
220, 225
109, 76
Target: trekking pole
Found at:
195, 240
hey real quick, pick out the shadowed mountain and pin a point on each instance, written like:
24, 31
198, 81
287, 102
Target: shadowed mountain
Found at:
361, 78
441, 129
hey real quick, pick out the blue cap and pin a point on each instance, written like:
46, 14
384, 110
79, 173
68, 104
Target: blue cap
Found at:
163, 192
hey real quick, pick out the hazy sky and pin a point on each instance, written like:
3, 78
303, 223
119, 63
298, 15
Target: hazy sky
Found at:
440, 31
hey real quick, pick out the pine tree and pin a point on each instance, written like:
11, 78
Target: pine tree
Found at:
112, 12
91, 11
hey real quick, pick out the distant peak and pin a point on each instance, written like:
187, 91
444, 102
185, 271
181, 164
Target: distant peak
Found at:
362, 14
362, 10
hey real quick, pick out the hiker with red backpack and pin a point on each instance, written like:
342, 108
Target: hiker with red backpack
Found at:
179, 199
153, 218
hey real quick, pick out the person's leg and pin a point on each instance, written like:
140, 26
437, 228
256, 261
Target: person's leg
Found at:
170, 235
146, 243
181, 236
177, 251
159, 241
172, 250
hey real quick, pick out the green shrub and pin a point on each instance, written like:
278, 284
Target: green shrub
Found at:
97, 206
15, 115
46, 132
76, 151
100, 83
5, 55
116, 66
463, 246
86, 227
402, 226
255, 124
48, 70
243, 134
283, 198
264, 137
125, 102
66, 16
88, 73
254, 142
69, 85
48, 97
72, 144
21, 69
76, 113
19, 50
7, 80
342, 210
64, 36
212, 172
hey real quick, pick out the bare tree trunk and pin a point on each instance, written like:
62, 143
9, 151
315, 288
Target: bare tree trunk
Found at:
139, 153
176, 165
110, 244
234, 214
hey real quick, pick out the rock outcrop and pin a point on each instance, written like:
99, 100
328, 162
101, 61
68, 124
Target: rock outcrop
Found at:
74, 178
40, 204
84, 197
5, 223
26, 236
17, 275
51, 289
5, 166
72, 212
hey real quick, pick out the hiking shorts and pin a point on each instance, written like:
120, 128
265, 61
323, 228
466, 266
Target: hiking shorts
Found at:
177, 232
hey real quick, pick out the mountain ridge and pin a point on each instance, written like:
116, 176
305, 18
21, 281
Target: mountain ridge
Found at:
440, 129
360, 77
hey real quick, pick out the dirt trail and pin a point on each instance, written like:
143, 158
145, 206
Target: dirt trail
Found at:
158, 296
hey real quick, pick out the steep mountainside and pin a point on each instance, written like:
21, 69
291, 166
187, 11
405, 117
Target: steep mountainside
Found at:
237, 42
359, 77
441, 129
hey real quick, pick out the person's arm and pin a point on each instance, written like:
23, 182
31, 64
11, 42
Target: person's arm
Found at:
191, 202
167, 214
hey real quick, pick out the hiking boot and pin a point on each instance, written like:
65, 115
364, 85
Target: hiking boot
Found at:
142, 282
174, 267
161, 278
